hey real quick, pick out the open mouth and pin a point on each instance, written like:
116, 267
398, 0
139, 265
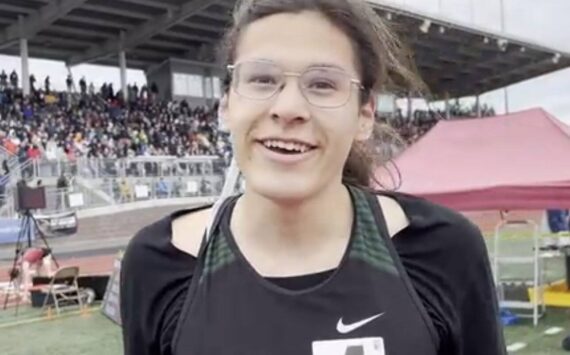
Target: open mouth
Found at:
287, 147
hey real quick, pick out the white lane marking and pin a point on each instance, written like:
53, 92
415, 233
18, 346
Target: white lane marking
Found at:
553, 330
516, 347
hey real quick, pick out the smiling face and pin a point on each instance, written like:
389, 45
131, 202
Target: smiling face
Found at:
287, 148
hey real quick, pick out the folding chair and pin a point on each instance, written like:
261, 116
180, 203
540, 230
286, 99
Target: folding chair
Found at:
63, 287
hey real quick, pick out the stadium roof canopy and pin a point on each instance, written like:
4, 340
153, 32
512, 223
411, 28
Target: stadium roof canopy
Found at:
452, 58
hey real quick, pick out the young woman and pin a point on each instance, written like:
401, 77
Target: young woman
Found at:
309, 260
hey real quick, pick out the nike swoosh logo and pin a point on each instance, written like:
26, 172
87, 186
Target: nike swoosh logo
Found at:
347, 328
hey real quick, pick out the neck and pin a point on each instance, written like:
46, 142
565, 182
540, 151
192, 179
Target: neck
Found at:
326, 215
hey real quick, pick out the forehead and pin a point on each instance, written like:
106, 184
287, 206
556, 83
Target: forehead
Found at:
297, 41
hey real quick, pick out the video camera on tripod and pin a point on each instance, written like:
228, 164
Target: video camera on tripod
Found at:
27, 198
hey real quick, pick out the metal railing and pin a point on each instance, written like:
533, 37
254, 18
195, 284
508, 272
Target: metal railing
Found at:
100, 182
91, 168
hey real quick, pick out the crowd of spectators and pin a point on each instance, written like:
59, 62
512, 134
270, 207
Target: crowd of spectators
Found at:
410, 129
102, 124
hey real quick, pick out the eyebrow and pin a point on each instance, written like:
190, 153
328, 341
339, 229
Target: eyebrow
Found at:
326, 65
311, 66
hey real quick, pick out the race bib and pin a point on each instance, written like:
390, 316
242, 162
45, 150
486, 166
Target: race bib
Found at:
361, 346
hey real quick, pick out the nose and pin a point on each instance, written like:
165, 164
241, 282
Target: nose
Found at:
289, 104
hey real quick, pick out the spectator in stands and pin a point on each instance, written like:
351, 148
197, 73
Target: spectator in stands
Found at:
69, 83
3, 80
47, 85
154, 90
32, 83
83, 86
62, 190
126, 192
161, 188
14, 79
178, 188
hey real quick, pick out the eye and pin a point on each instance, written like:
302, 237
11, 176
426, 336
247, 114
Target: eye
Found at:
262, 79
322, 84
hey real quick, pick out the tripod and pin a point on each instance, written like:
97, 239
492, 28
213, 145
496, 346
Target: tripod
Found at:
28, 226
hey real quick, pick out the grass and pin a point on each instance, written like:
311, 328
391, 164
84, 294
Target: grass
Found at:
86, 334
94, 334
520, 243
537, 342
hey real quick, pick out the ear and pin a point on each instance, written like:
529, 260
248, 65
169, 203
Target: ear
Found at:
366, 118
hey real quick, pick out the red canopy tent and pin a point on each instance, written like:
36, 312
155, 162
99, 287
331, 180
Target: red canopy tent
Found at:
510, 162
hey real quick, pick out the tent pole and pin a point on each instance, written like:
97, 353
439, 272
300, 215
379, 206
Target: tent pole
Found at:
478, 106
409, 101
447, 108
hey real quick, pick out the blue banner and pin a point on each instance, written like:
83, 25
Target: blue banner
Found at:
10, 229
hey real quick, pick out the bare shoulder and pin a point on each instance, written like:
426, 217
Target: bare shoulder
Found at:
188, 231
394, 214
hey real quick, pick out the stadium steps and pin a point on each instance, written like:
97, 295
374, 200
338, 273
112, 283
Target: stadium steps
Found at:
121, 224
95, 194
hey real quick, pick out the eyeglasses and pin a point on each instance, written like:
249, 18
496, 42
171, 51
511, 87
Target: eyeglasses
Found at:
321, 86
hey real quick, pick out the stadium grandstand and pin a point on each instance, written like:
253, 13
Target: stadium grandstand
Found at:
112, 159
174, 42
114, 133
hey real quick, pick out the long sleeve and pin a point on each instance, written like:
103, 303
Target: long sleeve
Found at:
447, 262
154, 280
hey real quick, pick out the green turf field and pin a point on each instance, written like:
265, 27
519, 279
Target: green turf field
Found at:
520, 243
76, 334
537, 342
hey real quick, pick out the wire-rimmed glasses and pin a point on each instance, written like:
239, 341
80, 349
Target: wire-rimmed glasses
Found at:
321, 86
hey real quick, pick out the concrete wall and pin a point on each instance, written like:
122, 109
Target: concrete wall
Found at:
163, 76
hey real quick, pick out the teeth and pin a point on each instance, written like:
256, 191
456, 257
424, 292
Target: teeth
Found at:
296, 147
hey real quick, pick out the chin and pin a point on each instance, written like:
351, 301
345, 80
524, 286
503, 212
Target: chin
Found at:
284, 190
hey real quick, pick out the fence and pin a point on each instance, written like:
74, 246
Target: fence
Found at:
90, 168
103, 182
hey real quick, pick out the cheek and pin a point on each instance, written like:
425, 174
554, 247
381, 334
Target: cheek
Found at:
342, 136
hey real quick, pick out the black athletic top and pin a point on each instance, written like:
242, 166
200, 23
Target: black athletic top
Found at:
426, 291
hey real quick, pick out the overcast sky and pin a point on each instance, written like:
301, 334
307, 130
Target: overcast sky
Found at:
542, 21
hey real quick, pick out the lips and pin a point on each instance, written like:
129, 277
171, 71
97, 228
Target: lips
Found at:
286, 146
286, 152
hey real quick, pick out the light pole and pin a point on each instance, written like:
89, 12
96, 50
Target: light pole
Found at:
503, 30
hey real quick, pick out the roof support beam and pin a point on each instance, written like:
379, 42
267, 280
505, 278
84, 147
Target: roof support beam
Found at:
17, 9
153, 3
142, 33
228, 4
63, 30
118, 12
505, 75
98, 22
217, 17
199, 26
187, 37
38, 20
